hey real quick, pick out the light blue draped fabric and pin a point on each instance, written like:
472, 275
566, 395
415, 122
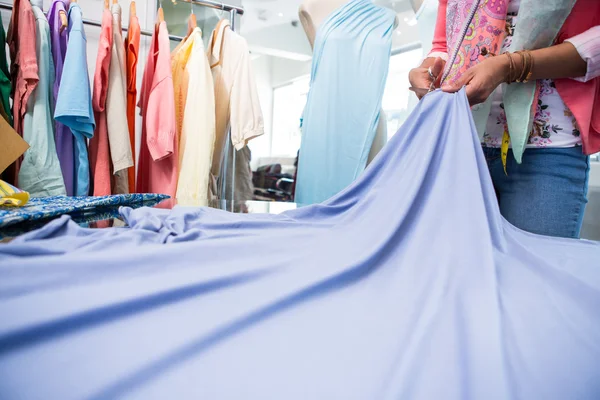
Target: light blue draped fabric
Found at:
407, 285
349, 71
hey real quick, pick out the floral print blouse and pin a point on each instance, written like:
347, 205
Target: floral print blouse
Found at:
554, 125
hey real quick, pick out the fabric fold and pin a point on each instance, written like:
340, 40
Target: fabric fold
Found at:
406, 285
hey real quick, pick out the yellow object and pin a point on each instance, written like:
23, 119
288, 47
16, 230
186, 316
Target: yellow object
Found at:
12, 196
504, 149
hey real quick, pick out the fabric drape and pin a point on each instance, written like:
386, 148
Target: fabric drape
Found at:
408, 284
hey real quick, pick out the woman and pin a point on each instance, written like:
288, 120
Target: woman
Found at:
549, 109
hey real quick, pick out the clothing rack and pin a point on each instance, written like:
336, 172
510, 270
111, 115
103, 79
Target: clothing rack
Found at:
233, 12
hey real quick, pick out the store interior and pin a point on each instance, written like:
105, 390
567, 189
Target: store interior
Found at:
253, 203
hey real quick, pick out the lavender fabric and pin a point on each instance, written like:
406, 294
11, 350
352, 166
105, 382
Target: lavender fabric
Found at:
407, 285
63, 137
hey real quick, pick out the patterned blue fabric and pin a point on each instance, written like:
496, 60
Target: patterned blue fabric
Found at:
49, 207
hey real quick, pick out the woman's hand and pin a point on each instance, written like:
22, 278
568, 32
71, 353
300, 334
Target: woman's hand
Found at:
482, 79
419, 78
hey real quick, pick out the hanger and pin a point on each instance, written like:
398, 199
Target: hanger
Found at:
64, 21
132, 11
192, 22
115, 1
105, 4
161, 13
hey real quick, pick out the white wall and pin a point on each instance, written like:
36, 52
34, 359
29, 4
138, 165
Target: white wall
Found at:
263, 71
285, 70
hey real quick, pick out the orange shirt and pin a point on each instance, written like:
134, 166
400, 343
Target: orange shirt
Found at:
100, 163
132, 46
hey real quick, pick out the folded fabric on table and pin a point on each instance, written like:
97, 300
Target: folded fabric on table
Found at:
407, 285
49, 207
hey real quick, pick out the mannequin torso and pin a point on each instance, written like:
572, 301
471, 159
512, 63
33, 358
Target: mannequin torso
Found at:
314, 12
416, 4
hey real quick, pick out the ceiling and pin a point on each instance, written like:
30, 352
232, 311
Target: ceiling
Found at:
260, 14
271, 27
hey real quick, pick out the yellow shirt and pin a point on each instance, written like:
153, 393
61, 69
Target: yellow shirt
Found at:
194, 95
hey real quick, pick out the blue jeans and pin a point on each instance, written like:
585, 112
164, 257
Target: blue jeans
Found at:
547, 193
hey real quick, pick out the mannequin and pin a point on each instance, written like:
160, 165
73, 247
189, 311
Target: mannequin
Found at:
416, 4
312, 14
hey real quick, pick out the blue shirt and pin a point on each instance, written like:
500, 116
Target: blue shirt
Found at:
74, 102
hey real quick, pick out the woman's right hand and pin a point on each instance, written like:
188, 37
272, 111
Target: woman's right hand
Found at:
419, 78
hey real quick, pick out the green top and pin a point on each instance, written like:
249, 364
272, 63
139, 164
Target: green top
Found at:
4, 77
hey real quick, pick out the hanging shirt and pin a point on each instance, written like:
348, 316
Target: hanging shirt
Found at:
40, 173
198, 126
349, 71
24, 68
132, 46
74, 103
179, 59
62, 136
116, 109
157, 169
237, 105
4, 77
99, 149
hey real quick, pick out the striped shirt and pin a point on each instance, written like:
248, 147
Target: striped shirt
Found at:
588, 47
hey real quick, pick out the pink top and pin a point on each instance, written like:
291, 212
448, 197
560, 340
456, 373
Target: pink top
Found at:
99, 153
24, 68
157, 168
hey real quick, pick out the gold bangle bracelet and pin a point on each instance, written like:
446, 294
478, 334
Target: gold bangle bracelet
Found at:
522, 57
531, 64
511, 68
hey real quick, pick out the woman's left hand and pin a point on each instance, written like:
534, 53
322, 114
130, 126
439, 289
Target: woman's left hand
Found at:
482, 79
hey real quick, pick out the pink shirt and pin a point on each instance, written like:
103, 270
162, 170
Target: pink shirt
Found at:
157, 169
99, 148
24, 68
